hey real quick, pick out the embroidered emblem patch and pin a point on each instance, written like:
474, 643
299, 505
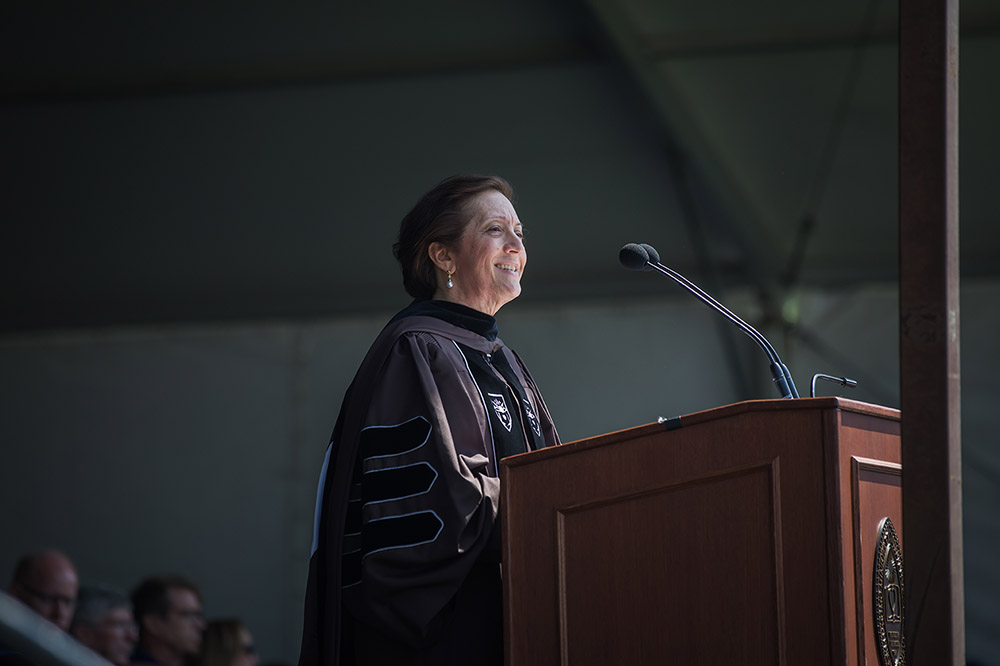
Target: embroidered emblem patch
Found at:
500, 407
532, 419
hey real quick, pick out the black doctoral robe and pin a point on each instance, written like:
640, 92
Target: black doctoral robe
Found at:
404, 567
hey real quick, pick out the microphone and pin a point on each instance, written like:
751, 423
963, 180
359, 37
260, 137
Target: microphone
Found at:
643, 257
637, 257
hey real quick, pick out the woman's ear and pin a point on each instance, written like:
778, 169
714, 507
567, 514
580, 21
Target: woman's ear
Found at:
441, 256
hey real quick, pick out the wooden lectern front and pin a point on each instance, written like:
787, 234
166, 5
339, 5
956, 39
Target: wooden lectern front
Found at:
744, 534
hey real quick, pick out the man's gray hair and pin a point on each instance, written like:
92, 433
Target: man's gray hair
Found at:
94, 602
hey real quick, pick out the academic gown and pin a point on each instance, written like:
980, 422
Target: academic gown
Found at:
405, 560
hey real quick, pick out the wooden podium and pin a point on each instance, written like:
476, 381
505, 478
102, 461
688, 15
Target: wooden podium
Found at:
744, 534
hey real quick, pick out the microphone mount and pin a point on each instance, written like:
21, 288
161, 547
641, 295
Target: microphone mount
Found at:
843, 381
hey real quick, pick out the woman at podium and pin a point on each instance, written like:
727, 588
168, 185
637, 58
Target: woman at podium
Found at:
405, 561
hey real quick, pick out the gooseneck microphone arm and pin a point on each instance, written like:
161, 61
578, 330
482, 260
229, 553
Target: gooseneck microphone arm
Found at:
644, 257
705, 297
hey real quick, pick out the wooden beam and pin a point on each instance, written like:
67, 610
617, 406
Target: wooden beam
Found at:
929, 332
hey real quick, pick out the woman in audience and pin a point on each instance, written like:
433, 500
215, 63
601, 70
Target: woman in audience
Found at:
227, 643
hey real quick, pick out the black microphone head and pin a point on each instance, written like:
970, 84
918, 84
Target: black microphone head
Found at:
654, 256
633, 257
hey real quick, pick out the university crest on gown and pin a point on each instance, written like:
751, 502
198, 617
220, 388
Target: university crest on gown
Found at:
500, 407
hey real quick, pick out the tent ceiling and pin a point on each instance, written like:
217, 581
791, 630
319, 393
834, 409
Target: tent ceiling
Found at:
750, 140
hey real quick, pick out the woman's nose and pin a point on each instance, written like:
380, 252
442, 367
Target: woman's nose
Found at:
514, 243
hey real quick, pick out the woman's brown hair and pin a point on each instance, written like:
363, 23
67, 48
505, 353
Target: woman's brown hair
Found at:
439, 217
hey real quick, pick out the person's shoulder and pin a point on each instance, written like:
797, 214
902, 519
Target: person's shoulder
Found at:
403, 342
142, 658
424, 339
407, 329
415, 323
427, 331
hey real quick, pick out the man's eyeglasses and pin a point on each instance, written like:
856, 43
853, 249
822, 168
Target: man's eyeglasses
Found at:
49, 599
189, 614
124, 626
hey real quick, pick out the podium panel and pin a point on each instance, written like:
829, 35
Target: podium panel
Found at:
745, 535
734, 528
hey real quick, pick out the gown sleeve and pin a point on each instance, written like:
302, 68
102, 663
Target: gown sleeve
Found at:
424, 494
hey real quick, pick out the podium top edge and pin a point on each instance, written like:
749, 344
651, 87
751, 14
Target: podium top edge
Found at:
828, 403
785, 404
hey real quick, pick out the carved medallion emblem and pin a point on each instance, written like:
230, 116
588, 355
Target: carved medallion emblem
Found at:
887, 590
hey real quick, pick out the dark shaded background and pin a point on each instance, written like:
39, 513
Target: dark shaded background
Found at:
198, 205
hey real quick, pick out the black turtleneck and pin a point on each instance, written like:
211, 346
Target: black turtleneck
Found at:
453, 313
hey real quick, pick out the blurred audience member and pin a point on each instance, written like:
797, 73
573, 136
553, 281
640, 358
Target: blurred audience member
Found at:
103, 622
169, 614
227, 643
46, 582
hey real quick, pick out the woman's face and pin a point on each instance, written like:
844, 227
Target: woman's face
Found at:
488, 263
247, 654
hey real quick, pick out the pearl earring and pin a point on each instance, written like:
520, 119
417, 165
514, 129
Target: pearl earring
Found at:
450, 283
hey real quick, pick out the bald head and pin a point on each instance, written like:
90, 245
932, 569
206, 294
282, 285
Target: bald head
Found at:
47, 583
